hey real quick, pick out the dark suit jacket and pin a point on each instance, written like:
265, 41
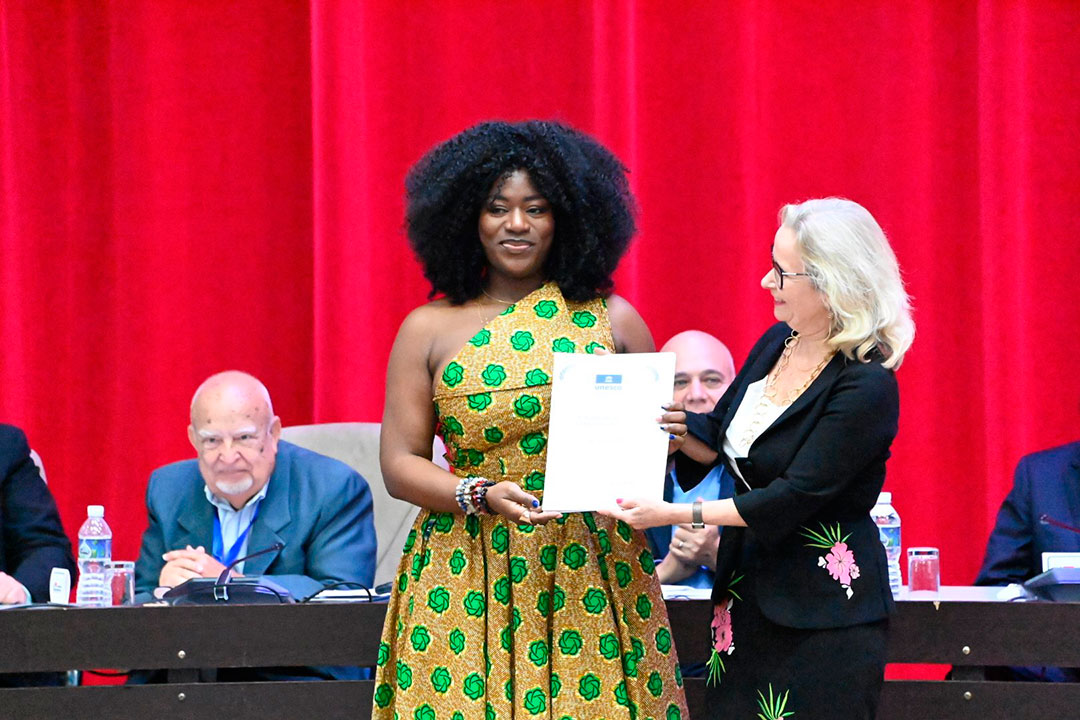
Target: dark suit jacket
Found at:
822, 463
32, 540
318, 507
1045, 482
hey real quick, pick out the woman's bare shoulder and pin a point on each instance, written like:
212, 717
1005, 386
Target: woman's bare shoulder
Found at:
428, 317
629, 330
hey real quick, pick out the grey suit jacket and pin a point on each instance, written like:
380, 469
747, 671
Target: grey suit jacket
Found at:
318, 507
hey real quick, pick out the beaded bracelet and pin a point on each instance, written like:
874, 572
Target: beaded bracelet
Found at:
474, 494
481, 497
471, 495
461, 494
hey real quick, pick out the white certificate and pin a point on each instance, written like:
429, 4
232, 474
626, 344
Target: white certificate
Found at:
603, 441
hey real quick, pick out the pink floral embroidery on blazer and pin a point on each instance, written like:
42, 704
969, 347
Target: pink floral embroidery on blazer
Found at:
839, 561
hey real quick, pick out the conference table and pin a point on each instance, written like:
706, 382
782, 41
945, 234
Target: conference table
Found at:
964, 628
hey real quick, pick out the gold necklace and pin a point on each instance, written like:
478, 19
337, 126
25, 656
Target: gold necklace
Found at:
768, 393
483, 322
770, 384
480, 317
504, 302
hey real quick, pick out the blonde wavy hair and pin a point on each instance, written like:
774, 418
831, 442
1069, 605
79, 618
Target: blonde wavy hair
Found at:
852, 264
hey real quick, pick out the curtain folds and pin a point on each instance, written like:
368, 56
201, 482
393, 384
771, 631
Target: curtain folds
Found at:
194, 186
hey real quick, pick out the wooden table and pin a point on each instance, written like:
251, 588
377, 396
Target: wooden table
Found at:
955, 631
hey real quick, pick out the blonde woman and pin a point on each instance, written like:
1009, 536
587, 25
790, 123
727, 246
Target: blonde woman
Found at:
802, 594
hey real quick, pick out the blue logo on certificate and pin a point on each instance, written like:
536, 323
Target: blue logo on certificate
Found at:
609, 382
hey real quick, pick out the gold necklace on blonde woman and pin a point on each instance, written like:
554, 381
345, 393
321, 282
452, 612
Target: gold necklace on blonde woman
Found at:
768, 393
770, 383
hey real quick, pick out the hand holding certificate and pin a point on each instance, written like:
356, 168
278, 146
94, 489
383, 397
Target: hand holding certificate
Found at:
603, 441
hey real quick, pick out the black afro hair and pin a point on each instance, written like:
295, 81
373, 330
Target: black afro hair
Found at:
583, 181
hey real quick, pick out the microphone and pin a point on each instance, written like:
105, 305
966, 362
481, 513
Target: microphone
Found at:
1047, 520
246, 590
221, 592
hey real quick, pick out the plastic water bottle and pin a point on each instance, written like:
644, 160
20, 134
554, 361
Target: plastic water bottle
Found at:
888, 522
95, 553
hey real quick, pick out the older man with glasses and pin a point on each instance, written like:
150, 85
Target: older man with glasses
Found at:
249, 491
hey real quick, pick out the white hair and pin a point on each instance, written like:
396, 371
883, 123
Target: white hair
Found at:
850, 261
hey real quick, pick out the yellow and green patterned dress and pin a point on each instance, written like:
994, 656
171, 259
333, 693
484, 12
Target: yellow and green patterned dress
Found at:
494, 620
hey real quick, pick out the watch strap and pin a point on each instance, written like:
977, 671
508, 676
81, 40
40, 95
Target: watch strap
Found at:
698, 522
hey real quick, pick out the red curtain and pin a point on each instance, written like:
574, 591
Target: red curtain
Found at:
193, 186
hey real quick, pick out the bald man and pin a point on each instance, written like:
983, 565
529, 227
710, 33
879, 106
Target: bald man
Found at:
248, 490
703, 371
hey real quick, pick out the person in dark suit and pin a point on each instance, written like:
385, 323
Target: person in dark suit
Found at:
802, 593
32, 540
1045, 483
248, 490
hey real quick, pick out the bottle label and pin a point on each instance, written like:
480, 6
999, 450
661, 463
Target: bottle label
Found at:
890, 536
95, 548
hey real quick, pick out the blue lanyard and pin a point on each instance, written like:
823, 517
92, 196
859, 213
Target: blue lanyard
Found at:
219, 544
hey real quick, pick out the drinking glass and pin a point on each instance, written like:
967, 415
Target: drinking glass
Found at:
924, 572
122, 582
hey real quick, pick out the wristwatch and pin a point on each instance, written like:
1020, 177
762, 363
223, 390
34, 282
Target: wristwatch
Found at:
697, 521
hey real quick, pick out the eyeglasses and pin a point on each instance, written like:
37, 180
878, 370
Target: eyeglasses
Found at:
246, 440
781, 274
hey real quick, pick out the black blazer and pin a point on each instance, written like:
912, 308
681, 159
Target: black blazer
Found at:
32, 540
821, 464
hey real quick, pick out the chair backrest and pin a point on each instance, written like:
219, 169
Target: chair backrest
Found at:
357, 445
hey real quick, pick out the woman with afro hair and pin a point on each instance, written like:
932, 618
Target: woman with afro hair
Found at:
500, 609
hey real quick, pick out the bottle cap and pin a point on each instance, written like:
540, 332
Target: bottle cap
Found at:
884, 498
95, 511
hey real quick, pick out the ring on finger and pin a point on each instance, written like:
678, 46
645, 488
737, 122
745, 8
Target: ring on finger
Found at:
680, 545
528, 517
